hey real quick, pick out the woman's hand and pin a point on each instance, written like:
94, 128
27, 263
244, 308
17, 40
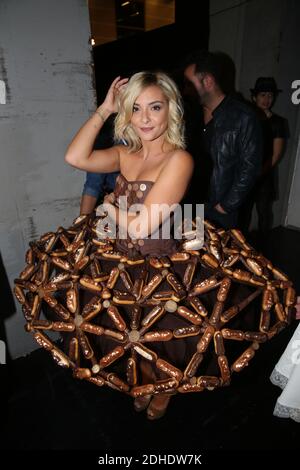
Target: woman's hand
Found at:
110, 104
220, 209
109, 198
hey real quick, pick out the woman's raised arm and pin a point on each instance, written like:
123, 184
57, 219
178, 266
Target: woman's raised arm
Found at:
80, 152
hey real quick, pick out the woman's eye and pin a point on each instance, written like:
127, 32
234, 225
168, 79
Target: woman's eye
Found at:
156, 107
135, 109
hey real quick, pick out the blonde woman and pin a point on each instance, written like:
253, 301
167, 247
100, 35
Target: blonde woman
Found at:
150, 120
155, 169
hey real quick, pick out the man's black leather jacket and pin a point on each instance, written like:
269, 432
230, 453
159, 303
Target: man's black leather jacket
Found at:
236, 151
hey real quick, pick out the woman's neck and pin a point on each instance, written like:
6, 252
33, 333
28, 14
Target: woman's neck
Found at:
153, 148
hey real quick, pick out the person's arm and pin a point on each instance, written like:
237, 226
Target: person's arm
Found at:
87, 204
168, 190
298, 308
248, 166
278, 148
80, 152
92, 190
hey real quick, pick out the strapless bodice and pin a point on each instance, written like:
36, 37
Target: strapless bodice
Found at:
136, 192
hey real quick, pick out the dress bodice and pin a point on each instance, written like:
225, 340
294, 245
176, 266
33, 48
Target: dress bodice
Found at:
136, 192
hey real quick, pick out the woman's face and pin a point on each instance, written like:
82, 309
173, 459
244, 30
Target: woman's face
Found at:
264, 100
150, 114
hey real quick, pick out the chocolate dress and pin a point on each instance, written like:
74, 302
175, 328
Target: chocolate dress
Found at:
195, 315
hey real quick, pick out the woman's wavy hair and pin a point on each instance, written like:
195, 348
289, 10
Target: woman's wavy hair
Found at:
137, 83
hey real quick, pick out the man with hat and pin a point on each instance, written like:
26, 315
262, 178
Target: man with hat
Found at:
275, 134
264, 93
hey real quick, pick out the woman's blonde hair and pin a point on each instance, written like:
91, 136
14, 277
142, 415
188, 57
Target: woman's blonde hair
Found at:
137, 83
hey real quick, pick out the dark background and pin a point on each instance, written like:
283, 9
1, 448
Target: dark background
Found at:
163, 48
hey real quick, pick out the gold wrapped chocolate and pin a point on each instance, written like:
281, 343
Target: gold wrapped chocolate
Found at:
121, 312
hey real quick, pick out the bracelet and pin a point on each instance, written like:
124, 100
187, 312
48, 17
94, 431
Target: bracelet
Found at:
100, 114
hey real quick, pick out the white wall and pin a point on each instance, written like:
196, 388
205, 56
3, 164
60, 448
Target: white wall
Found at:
293, 208
288, 72
45, 63
263, 39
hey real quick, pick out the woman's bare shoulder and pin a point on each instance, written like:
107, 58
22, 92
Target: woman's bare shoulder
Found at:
181, 157
180, 163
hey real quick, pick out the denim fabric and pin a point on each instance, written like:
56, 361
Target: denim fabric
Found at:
97, 184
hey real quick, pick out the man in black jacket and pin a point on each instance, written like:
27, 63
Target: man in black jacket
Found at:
231, 135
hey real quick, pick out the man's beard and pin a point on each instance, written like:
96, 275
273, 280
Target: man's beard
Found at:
204, 97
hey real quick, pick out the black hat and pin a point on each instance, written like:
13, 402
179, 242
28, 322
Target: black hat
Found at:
265, 84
